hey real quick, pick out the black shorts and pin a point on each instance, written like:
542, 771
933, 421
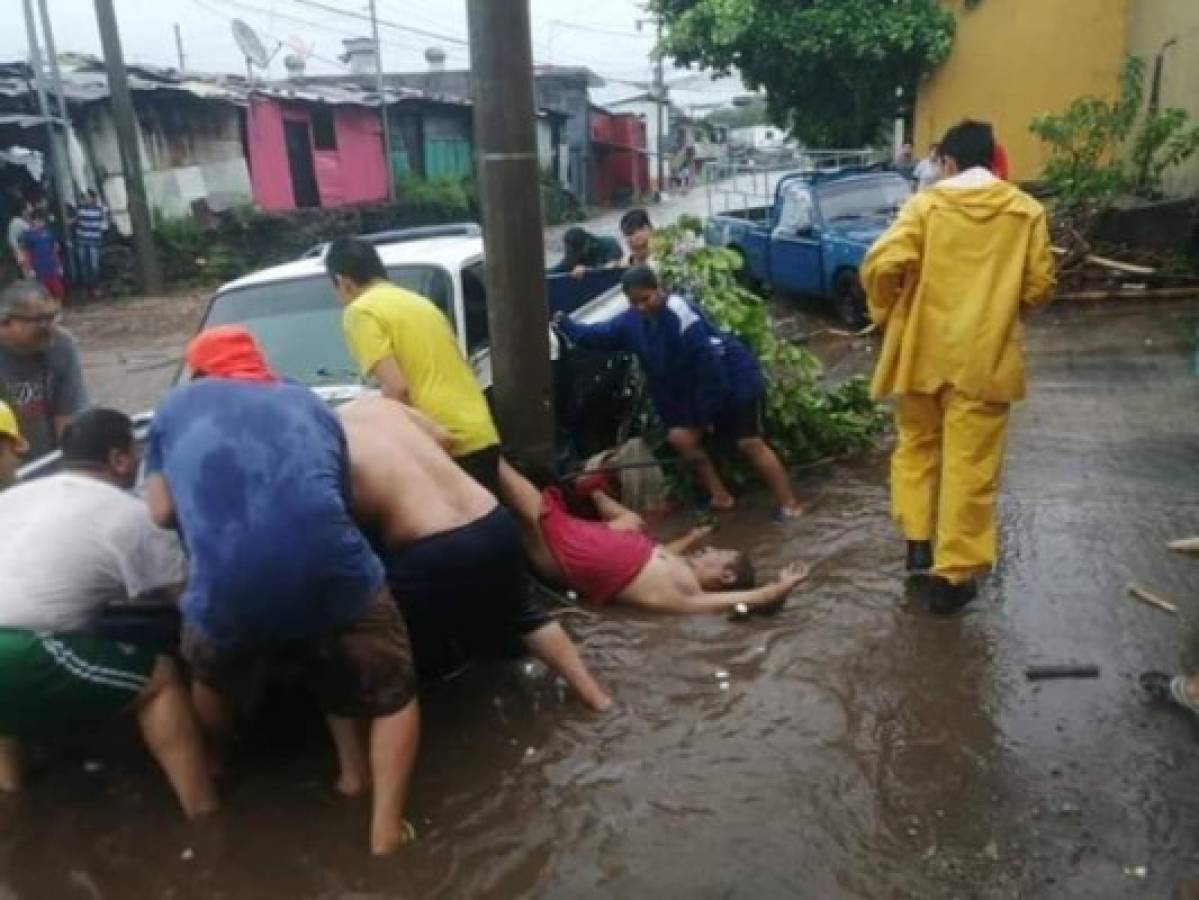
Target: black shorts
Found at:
739, 423
483, 466
464, 592
363, 670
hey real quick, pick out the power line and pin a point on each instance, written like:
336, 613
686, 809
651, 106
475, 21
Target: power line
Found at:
579, 26
315, 4
276, 38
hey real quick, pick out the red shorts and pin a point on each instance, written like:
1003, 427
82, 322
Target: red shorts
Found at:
53, 285
596, 561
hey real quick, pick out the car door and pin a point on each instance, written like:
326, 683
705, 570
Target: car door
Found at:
795, 248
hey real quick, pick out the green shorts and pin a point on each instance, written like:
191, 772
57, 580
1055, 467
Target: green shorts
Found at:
51, 684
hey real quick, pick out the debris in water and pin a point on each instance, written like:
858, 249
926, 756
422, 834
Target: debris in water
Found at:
1069, 809
1185, 545
722, 675
92, 766
1136, 871
188, 855
1069, 670
991, 851
1145, 597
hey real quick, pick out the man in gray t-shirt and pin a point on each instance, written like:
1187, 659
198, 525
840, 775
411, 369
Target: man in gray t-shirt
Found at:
40, 376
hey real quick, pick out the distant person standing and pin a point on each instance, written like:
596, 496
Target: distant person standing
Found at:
905, 161
91, 221
40, 376
928, 170
638, 231
949, 283
44, 255
17, 226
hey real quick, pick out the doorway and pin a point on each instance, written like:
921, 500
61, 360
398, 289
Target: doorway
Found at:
298, 137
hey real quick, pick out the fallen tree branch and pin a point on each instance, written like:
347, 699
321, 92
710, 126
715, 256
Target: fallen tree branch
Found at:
1108, 263
1185, 545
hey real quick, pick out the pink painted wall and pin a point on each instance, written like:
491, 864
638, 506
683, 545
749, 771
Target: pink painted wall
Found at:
355, 172
270, 176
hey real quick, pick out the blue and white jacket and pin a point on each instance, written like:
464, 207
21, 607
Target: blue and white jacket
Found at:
696, 372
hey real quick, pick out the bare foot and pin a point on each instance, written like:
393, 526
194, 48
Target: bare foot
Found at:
385, 841
791, 511
352, 785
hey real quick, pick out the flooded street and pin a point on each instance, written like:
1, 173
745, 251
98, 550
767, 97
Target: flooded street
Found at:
851, 746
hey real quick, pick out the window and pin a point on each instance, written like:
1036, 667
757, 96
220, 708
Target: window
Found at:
298, 322
324, 133
796, 214
474, 308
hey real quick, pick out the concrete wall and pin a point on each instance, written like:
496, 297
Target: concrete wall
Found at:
189, 150
1016, 59
1152, 24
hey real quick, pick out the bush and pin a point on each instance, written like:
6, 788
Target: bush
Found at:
1101, 149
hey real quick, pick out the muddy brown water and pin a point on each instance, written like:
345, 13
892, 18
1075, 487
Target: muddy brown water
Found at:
856, 747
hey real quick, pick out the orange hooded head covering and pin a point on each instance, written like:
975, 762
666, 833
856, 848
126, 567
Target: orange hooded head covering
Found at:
228, 351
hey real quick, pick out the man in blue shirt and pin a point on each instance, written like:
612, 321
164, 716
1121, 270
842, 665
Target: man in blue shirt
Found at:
254, 472
702, 381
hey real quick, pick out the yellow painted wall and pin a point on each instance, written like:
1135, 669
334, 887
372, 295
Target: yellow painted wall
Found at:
1151, 23
1016, 59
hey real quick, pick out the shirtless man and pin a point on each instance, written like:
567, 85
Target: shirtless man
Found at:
452, 553
611, 562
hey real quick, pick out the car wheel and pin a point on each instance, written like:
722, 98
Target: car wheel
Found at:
850, 300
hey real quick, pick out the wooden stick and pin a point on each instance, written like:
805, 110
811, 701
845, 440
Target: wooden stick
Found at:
1185, 545
1145, 597
1152, 294
1107, 262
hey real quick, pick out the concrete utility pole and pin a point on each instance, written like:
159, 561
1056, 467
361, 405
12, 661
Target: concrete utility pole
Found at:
179, 48
391, 182
501, 59
55, 146
123, 120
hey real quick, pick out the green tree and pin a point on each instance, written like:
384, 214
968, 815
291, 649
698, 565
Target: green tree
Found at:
829, 67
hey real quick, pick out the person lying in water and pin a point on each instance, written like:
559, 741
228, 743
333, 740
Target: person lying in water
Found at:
452, 554
613, 562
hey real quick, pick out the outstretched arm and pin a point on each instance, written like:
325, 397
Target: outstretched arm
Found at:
723, 601
616, 515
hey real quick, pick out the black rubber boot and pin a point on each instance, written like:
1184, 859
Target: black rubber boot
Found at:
920, 556
946, 598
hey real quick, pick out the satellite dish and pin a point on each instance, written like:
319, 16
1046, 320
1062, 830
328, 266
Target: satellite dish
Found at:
249, 44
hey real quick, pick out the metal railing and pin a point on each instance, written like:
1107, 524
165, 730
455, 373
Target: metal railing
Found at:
751, 183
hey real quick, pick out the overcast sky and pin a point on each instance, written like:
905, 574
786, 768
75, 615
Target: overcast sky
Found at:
600, 34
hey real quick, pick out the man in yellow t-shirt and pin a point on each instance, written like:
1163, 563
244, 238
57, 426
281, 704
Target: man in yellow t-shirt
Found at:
405, 343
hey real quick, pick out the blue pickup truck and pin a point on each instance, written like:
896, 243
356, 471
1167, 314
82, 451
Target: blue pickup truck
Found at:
811, 240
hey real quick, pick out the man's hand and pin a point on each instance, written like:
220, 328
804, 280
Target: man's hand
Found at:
790, 576
578, 272
699, 532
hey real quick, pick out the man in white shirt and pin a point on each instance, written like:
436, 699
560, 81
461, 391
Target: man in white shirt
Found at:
73, 543
928, 170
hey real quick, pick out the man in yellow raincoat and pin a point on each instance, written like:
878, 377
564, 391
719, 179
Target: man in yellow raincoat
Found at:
949, 283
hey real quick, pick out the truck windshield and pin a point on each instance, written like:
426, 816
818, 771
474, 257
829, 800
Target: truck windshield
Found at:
298, 322
860, 198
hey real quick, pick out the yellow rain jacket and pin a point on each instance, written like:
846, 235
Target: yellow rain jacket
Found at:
948, 282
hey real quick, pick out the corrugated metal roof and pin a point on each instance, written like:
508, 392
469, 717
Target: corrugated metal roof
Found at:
85, 81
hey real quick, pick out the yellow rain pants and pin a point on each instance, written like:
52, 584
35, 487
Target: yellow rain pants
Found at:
945, 477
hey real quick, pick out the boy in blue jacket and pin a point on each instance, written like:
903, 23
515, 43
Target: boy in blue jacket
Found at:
702, 381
